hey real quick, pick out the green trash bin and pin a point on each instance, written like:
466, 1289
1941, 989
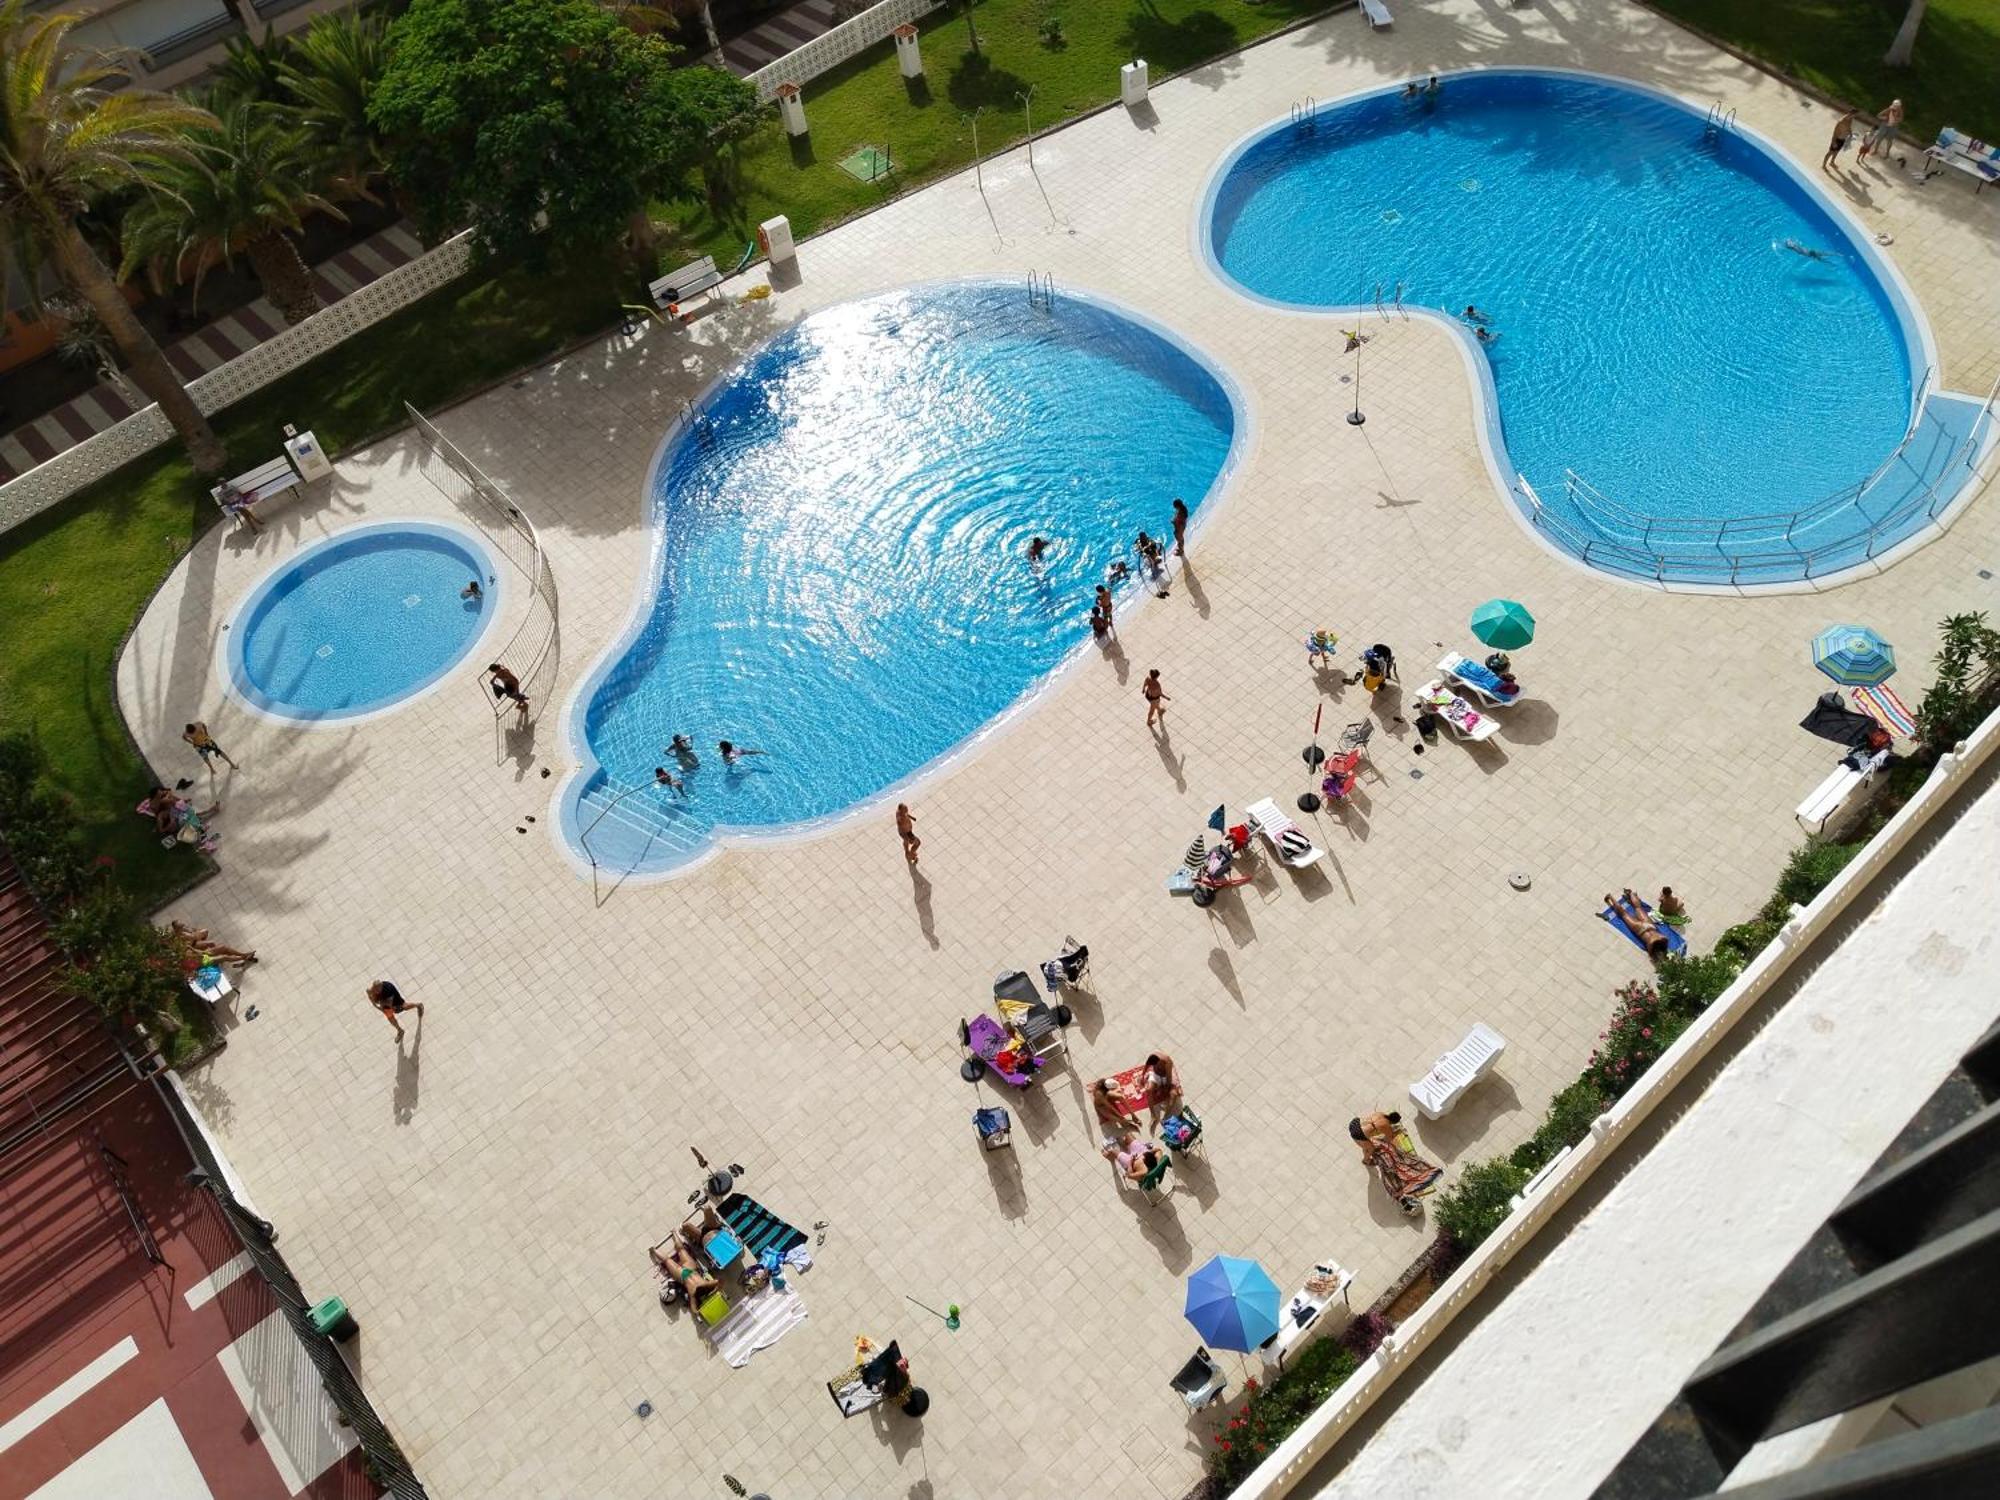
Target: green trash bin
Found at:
333, 1319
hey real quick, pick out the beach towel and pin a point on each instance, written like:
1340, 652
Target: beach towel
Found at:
1881, 704
1676, 943
1831, 719
757, 1322
990, 1042
757, 1227
1130, 1093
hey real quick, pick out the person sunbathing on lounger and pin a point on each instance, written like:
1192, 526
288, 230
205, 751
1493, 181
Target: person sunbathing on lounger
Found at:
683, 1268
1135, 1158
1632, 912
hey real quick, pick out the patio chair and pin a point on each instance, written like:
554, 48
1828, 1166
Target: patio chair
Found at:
1201, 1381
1187, 1139
1478, 679
995, 1127
1154, 1186
1068, 968
1460, 717
1458, 1070
1954, 148
985, 1042
1377, 14
1022, 1007
1291, 843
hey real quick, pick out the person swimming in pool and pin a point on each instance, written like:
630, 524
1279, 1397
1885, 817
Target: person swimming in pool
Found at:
664, 778
1808, 251
731, 754
1038, 548
1474, 315
1484, 334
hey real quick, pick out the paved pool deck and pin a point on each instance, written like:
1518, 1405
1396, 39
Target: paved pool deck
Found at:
483, 1202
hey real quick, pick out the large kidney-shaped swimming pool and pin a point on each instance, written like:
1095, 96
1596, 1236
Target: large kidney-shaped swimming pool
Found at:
1697, 364
839, 575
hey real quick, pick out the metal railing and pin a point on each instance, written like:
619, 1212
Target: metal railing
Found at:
1297, 1455
1612, 547
386, 1462
534, 652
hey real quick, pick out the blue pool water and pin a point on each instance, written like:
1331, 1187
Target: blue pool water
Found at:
839, 574
360, 621
1655, 336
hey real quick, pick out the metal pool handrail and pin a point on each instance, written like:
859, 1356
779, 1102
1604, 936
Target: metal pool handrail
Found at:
1582, 539
495, 503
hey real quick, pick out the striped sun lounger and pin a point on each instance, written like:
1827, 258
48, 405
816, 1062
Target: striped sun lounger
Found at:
1882, 705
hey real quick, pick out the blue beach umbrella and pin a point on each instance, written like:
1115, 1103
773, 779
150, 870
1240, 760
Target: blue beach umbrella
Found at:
1233, 1303
1503, 624
1854, 655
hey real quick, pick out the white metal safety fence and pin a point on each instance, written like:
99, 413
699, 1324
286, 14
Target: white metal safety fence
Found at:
832, 48
1292, 1460
105, 452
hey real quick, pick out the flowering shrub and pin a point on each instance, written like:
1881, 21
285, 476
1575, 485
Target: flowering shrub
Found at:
1641, 1029
1268, 1414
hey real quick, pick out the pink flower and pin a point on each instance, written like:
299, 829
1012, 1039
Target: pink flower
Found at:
1646, 1031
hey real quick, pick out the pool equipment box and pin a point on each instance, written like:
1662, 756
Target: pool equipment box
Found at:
775, 238
1132, 82
306, 455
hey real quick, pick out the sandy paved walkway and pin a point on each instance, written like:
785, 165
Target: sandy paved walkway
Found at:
485, 1207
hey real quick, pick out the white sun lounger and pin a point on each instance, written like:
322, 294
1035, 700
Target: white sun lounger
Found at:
1458, 1070
1460, 717
1274, 825
1377, 14
1453, 665
1955, 148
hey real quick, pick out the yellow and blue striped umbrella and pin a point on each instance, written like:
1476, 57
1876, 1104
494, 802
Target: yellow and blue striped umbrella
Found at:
1854, 655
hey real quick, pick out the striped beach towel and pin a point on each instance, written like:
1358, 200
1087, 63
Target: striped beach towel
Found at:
1882, 705
757, 1322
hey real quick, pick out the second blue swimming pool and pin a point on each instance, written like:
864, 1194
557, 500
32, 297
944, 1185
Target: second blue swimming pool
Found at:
839, 576
1660, 330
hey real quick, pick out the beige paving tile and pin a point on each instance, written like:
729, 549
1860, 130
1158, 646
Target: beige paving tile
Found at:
485, 1207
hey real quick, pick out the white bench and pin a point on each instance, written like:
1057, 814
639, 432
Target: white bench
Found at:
1377, 14
1954, 148
1458, 1070
677, 286
254, 486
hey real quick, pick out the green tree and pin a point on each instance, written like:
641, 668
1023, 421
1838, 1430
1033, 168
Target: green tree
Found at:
247, 188
545, 122
330, 73
65, 137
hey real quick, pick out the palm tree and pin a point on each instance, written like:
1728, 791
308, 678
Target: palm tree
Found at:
248, 188
330, 73
1905, 44
64, 137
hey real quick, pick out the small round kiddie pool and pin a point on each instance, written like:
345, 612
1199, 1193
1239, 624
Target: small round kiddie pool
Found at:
361, 622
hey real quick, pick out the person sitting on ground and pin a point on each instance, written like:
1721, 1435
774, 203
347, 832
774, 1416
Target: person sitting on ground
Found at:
1632, 912
507, 686
731, 754
1134, 1158
1673, 911
684, 1269
1163, 1085
683, 751
1405, 1176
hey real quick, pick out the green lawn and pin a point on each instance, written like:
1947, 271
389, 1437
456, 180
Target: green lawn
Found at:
73, 580
1837, 46
865, 102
